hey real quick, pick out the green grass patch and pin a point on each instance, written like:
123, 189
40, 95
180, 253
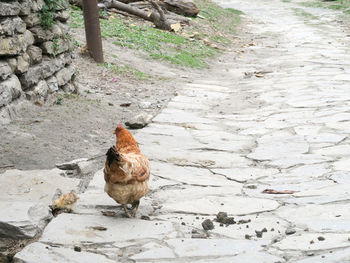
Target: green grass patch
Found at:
286, 1
221, 23
157, 43
317, 4
341, 5
302, 13
126, 70
184, 50
76, 17
336, 7
63, 98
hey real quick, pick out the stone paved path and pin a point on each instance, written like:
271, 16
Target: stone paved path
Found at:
276, 117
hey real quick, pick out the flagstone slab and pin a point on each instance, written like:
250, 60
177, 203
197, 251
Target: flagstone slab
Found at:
318, 218
39, 252
234, 205
72, 229
303, 242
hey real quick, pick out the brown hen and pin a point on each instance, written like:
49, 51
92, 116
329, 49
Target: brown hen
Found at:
126, 171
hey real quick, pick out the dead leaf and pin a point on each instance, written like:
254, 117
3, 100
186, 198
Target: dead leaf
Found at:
209, 44
176, 27
272, 191
259, 75
99, 228
262, 72
108, 213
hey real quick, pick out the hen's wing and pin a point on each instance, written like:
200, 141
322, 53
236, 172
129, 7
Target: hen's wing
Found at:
124, 168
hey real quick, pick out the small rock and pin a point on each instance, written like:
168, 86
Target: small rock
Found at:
194, 231
110, 104
183, 223
52, 84
73, 165
5, 70
35, 54
221, 216
12, 62
311, 242
145, 218
139, 121
77, 248
259, 233
264, 230
244, 221
247, 236
272, 229
229, 221
23, 62
290, 231
65, 75
17, 44
207, 224
10, 89
310, 254
321, 238
9, 9
221, 224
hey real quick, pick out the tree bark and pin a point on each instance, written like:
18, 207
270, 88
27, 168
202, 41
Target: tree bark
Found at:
92, 30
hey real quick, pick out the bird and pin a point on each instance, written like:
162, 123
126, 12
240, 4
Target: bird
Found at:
126, 171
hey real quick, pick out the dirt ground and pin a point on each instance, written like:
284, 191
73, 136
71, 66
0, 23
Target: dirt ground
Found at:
73, 126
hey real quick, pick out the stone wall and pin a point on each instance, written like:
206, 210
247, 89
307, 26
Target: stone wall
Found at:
34, 58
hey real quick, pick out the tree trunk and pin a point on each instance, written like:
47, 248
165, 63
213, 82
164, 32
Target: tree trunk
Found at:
92, 30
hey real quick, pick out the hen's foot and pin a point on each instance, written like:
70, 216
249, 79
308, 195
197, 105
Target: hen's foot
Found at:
126, 211
135, 205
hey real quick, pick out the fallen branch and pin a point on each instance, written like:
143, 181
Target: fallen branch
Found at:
162, 21
116, 11
157, 18
170, 16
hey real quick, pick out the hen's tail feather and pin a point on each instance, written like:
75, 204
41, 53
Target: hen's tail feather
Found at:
112, 155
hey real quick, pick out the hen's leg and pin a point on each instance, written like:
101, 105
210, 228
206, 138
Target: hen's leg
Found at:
135, 205
126, 211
